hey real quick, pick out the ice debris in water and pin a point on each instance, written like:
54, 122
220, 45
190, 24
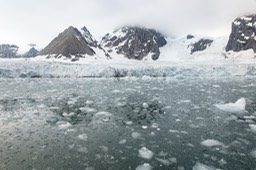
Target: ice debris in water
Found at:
145, 153
104, 116
237, 107
82, 137
145, 105
253, 153
144, 166
211, 143
136, 135
253, 128
123, 141
200, 166
63, 125
163, 161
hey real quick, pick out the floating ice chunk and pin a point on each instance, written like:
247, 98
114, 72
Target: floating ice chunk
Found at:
68, 114
200, 166
63, 125
144, 166
145, 153
104, 116
104, 148
116, 91
87, 110
173, 160
222, 162
123, 141
145, 105
144, 127
128, 122
211, 143
82, 150
253, 128
237, 107
136, 135
89, 102
163, 161
82, 137
253, 153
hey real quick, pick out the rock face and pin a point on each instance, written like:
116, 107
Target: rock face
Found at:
243, 35
31, 53
69, 43
8, 51
134, 42
200, 45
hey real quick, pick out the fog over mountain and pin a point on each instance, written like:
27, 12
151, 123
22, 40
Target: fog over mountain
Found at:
27, 21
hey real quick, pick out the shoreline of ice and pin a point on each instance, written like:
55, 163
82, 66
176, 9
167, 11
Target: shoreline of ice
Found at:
35, 68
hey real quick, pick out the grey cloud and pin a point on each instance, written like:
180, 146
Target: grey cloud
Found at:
30, 21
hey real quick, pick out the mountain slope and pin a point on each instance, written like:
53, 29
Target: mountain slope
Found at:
243, 35
68, 43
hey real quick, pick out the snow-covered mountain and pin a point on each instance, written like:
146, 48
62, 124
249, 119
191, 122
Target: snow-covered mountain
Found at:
31, 53
134, 42
8, 51
138, 43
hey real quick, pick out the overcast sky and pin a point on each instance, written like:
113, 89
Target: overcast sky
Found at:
39, 21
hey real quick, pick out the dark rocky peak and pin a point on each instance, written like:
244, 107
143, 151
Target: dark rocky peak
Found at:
31, 53
88, 37
69, 43
200, 45
134, 42
189, 36
8, 51
243, 35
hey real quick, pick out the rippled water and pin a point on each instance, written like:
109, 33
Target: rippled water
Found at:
104, 123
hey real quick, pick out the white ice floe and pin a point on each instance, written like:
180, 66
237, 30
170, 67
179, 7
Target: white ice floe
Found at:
145, 105
163, 161
253, 153
82, 137
253, 128
123, 141
144, 166
237, 107
63, 125
145, 153
103, 116
136, 135
200, 166
211, 143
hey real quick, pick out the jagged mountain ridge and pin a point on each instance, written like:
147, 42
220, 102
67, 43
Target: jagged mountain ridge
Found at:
68, 43
8, 51
134, 42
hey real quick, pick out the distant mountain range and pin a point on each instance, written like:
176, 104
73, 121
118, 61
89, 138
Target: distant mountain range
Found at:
132, 43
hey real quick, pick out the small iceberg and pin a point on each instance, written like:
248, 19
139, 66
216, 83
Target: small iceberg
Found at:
200, 166
211, 143
146, 153
237, 107
144, 166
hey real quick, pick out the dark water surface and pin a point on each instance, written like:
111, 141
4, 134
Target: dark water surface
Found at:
98, 124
